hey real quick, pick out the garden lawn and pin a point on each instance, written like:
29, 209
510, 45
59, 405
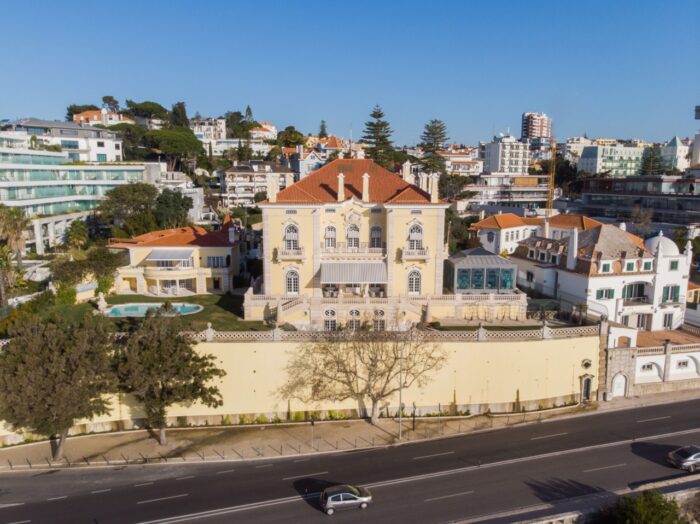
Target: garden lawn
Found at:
223, 311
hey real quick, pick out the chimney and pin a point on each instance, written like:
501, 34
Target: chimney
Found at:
406, 170
365, 187
272, 188
658, 253
545, 229
434, 198
573, 250
341, 187
623, 226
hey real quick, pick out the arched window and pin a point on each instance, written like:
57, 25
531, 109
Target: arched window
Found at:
414, 282
353, 236
292, 282
330, 236
291, 237
329, 321
375, 237
415, 237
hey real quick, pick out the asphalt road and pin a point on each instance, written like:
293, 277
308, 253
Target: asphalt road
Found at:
438, 481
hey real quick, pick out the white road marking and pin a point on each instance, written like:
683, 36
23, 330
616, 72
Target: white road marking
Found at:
302, 460
604, 467
101, 491
20, 522
185, 478
274, 502
549, 436
433, 455
163, 498
58, 498
449, 496
307, 475
653, 419
11, 505
225, 471
143, 484
264, 466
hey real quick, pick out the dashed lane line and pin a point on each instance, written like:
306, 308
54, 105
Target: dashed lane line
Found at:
653, 419
549, 436
307, 475
433, 455
449, 496
163, 498
101, 491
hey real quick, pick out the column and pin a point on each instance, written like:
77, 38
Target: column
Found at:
667, 360
390, 253
38, 238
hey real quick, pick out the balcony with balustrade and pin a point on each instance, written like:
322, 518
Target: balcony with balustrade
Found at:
412, 252
291, 253
362, 250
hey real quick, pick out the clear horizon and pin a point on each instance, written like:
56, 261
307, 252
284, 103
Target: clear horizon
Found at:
619, 70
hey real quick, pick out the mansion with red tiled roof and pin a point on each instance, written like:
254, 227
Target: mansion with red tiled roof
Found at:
354, 244
179, 262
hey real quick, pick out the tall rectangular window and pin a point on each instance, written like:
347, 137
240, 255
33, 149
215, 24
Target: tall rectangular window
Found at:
216, 261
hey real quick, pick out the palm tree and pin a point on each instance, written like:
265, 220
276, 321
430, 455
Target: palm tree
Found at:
7, 273
13, 223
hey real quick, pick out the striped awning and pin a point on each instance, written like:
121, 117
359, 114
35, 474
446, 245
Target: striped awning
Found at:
170, 254
353, 273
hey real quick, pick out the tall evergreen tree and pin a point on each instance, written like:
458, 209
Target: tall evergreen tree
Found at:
322, 131
54, 372
248, 113
652, 163
433, 140
378, 138
160, 367
110, 103
179, 115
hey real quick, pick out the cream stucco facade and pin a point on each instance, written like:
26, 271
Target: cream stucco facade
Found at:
477, 376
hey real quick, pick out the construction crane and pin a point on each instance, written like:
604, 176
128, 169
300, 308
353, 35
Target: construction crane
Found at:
552, 174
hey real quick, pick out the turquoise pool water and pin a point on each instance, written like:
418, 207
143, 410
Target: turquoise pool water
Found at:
139, 310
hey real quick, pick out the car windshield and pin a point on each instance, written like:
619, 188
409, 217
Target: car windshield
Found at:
686, 452
354, 491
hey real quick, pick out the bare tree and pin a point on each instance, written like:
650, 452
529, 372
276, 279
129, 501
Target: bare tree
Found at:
361, 365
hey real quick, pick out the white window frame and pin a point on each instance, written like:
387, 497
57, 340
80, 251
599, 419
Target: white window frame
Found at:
353, 241
414, 282
375, 237
416, 243
289, 241
291, 282
330, 238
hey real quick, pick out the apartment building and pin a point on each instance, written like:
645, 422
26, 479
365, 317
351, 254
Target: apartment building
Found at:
179, 262
101, 117
219, 147
615, 159
572, 149
507, 155
209, 129
535, 125
82, 143
465, 162
615, 274
303, 161
242, 181
266, 131
674, 199
354, 244
52, 191
675, 154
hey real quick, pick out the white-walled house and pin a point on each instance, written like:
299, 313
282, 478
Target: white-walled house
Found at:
503, 232
636, 283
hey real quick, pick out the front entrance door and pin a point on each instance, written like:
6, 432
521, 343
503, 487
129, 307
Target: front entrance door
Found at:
586, 393
619, 386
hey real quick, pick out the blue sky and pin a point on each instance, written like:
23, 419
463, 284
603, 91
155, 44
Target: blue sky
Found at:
606, 68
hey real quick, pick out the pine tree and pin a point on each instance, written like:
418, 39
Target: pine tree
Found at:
378, 138
160, 367
433, 140
54, 372
179, 115
248, 113
652, 163
322, 131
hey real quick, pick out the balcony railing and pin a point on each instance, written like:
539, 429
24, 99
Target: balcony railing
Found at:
290, 254
342, 248
637, 301
415, 254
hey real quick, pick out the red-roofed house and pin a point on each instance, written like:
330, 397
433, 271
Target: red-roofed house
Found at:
181, 261
353, 243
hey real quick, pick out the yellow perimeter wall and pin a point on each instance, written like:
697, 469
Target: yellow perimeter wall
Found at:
479, 375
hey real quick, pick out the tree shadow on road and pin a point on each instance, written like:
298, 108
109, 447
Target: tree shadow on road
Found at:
559, 490
310, 490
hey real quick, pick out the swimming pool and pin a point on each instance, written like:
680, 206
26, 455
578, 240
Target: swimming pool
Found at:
140, 309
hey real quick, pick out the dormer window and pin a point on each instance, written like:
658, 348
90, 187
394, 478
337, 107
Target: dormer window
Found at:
543, 256
531, 253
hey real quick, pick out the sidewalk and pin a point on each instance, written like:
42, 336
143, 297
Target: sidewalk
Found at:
277, 440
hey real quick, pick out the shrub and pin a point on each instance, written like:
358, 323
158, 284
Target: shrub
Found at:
298, 416
262, 419
104, 284
334, 415
182, 422
245, 419
66, 296
226, 420
651, 507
